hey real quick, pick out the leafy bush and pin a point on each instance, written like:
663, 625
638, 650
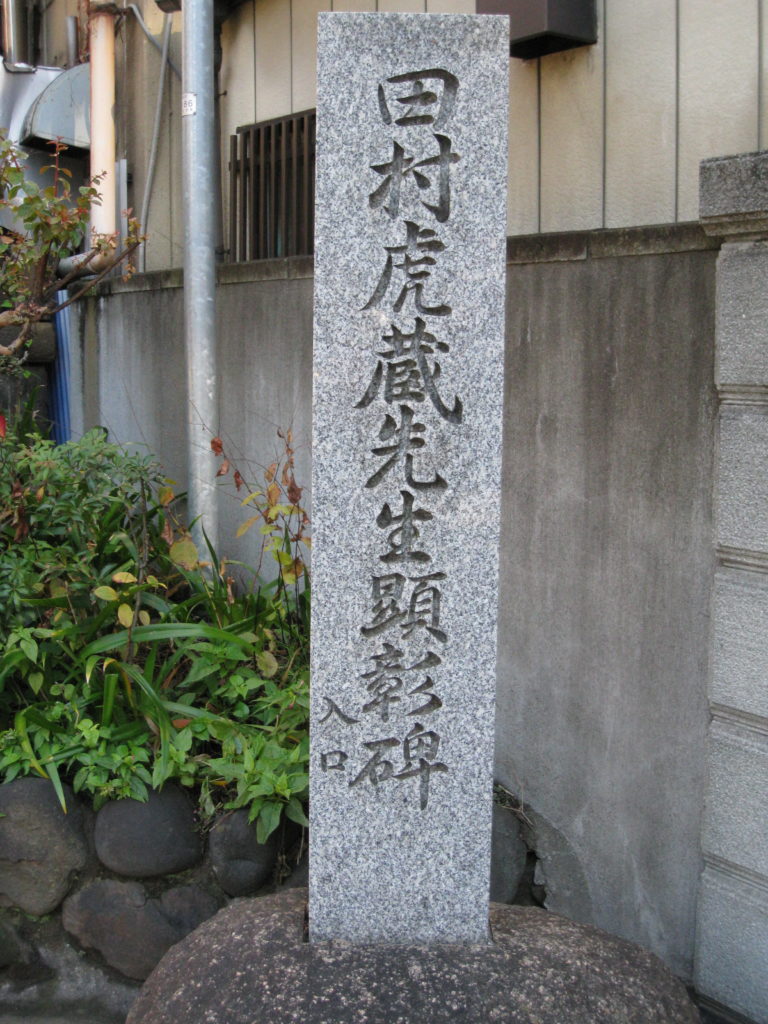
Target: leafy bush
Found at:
125, 661
51, 223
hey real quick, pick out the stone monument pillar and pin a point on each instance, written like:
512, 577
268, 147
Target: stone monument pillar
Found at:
409, 327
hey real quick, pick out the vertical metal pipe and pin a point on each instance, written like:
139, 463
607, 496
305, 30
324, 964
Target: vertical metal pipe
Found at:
199, 156
102, 48
72, 44
15, 33
152, 162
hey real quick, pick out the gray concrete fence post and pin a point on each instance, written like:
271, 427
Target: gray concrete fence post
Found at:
732, 933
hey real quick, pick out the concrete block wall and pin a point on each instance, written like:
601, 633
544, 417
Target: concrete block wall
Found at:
731, 965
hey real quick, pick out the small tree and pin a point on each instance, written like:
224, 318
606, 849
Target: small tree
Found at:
55, 224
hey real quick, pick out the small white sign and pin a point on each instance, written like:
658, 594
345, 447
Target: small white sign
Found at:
188, 104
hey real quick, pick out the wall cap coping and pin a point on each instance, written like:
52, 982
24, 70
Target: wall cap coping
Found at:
557, 247
290, 268
733, 195
605, 243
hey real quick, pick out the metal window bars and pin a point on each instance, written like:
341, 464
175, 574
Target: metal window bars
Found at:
272, 183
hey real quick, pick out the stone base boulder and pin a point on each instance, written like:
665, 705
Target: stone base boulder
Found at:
143, 839
41, 847
250, 964
130, 930
241, 864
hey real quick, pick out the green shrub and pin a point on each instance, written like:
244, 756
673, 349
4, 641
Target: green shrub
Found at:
125, 660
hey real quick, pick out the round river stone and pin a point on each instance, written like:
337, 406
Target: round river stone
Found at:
250, 964
141, 840
41, 847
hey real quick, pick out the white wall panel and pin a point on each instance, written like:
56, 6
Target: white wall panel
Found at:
640, 112
304, 51
523, 187
353, 5
450, 6
237, 84
762, 74
175, 171
718, 88
404, 6
273, 58
237, 80
572, 137
606, 135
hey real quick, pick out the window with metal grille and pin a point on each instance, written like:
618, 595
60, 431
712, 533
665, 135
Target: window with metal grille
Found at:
272, 188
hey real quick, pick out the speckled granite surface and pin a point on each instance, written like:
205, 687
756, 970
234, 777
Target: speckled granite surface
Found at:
408, 366
250, 965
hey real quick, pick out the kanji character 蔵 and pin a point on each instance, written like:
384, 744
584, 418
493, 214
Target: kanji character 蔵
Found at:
407, 373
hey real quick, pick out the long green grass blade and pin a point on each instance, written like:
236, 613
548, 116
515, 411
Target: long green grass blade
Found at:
164, 631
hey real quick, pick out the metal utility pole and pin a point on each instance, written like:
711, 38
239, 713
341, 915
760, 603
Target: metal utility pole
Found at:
200, 199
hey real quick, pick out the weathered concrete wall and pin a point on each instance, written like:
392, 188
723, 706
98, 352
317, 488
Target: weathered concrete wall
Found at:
606, 534
606, 570
130, 370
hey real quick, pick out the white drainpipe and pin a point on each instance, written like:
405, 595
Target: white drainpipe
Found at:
200, 199
102, 50
103, 220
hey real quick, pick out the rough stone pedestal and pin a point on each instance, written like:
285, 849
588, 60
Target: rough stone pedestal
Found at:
250, 964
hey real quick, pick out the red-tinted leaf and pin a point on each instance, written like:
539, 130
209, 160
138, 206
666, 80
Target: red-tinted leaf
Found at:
217, 447
223, 468
3, 426
238, 480
167, 533
270, 471
294, 491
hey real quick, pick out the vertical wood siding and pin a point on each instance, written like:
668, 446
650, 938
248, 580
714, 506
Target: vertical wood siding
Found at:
640, 112
718, 90
609, 135
571, 122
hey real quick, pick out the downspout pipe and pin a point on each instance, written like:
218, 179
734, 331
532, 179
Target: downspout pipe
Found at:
16, 48
199, 155
102, 50
144, 216
103, 219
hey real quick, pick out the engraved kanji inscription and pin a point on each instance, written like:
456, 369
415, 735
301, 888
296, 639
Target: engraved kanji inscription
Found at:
404, 438
407, 372
403, 166
418, 98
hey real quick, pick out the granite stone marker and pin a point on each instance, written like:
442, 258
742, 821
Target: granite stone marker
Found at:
408, 364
